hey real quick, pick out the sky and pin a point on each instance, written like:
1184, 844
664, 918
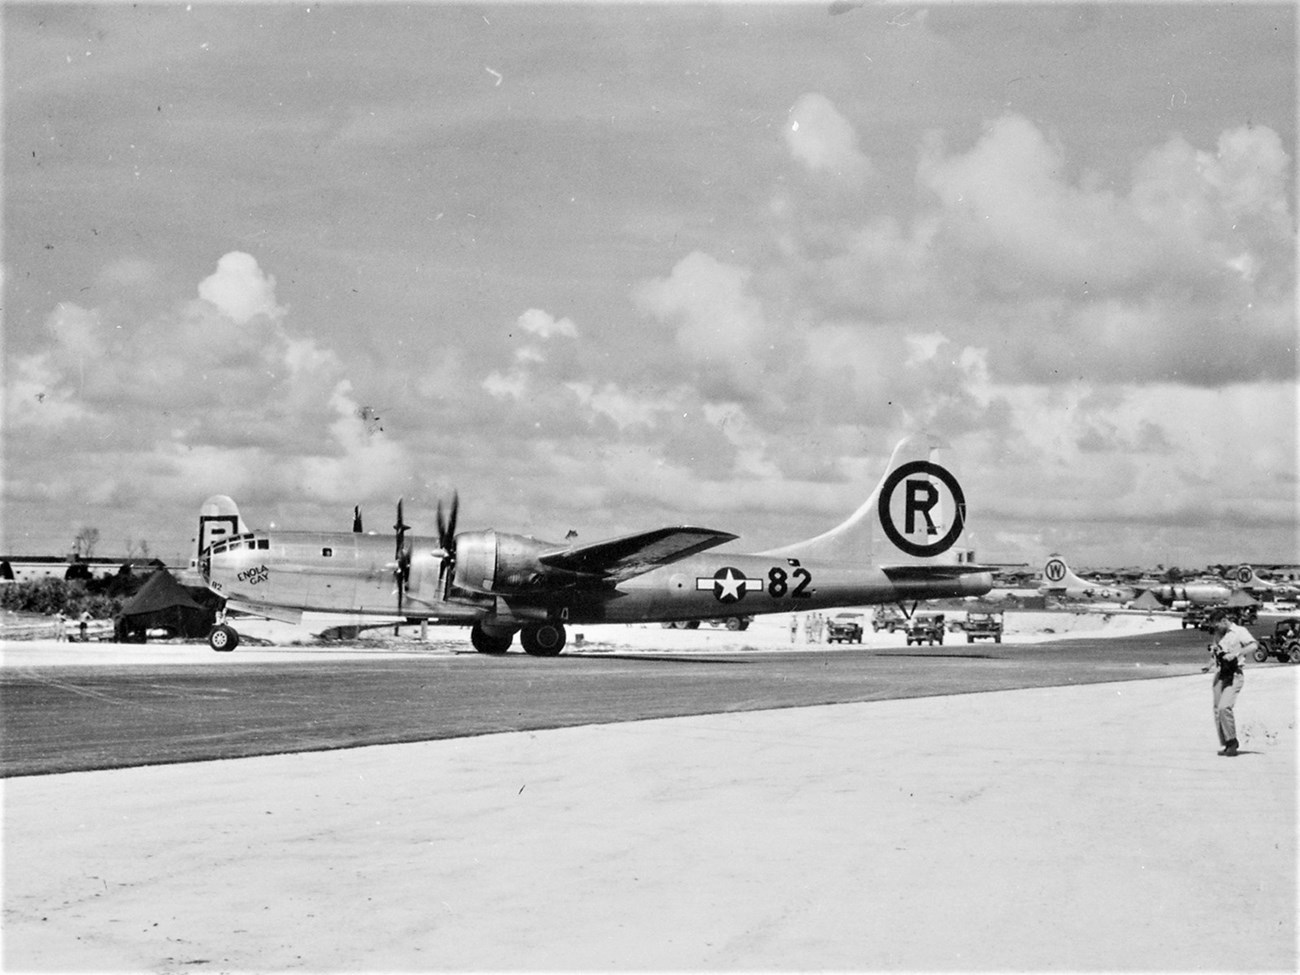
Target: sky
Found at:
607, 267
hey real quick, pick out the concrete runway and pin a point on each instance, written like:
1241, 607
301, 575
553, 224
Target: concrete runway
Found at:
72, 717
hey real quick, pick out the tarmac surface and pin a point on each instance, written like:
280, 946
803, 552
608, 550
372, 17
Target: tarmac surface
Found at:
1077, 826
88, 712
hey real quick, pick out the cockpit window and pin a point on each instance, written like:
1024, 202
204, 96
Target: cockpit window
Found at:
263, 543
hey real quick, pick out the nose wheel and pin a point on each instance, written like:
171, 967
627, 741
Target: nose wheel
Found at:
223, 638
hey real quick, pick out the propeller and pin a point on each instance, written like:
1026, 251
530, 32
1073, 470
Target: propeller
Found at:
447, 527
403, 557
356, 519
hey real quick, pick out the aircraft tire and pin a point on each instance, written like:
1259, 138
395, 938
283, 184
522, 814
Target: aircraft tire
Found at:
543, 639
223, 638
486, 643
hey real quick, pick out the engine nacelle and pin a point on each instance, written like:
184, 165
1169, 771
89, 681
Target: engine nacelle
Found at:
491, 562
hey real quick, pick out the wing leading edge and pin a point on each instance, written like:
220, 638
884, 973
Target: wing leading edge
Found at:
622, 558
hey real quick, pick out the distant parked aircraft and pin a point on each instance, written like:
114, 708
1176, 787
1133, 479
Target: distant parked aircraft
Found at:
1060, 581
1248, 579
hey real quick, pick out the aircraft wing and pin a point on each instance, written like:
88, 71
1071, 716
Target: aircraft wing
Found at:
617, 559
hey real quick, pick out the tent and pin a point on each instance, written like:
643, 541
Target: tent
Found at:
1147, 600
162, 603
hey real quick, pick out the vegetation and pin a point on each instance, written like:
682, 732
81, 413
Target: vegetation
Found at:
102, 598
84, 544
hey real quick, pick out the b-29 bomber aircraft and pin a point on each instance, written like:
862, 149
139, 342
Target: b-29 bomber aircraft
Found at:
897, 546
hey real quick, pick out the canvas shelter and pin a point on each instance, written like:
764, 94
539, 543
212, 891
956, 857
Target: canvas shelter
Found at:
163, 603
1146, 600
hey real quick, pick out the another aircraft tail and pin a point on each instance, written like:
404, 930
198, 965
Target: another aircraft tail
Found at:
218, 518
913, 517
1246, 577
1057, 575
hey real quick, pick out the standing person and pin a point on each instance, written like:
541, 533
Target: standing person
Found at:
60, 627
1230, 648
84, 623
794, 628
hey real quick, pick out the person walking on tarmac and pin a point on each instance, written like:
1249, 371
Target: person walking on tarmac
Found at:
1230, 648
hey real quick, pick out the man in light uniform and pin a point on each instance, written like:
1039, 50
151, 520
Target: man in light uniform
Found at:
1230, 650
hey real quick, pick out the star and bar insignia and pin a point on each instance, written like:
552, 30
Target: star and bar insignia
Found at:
729, 585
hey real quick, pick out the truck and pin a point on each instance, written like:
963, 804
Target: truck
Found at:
983, 626
844, 628
925, 628
889, 618
1204, 617
1283, 644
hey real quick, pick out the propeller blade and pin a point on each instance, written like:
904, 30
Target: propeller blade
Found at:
400, 528
403, 557
356, 519
447, 525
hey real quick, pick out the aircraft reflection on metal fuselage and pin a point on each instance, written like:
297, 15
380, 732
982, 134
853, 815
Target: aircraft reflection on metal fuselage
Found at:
499, 584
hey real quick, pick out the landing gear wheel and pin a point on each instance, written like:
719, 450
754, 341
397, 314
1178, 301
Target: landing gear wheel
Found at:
543, 639
223, 638
487, 643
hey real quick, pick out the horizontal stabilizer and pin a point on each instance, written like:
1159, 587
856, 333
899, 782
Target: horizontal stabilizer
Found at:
621, 558
911, 573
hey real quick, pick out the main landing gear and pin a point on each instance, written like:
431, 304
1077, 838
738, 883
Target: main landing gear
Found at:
223, 638
537, 639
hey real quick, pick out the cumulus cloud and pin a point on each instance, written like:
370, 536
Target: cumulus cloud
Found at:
212, 394
823, 140
721, 329
540, 364
1185, 216
1077, 276
540, 323
240, 290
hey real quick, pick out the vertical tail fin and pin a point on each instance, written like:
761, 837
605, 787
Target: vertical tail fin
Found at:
914, 516
1057, 576
218, 518
1246, 577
